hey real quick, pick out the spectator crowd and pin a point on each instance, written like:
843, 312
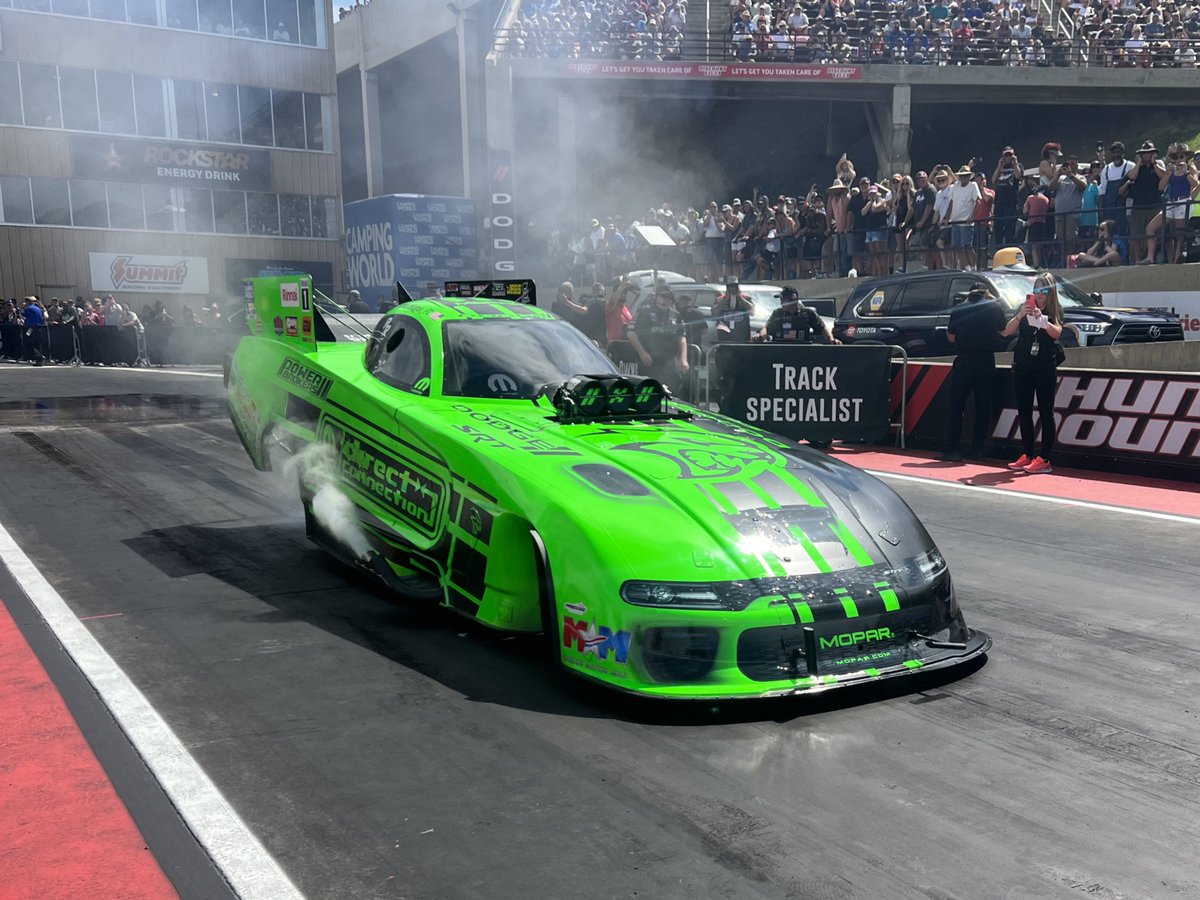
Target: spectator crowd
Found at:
1065, 212
1105, 33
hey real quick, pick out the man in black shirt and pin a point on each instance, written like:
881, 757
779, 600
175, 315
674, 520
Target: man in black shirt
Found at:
974, 329
732, 310
793, 322
657, 337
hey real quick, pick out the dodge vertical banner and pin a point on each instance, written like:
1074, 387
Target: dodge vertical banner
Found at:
806, 391
503, 214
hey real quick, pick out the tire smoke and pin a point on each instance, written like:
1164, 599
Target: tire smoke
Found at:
315, 468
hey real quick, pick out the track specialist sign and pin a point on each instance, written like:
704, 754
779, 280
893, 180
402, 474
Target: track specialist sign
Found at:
170, 162
815, 392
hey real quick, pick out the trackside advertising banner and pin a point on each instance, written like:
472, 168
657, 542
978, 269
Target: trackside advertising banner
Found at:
718, 71
139, 273
806, 391
1144, 422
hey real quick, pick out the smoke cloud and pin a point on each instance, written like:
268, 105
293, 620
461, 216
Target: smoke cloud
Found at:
316, 468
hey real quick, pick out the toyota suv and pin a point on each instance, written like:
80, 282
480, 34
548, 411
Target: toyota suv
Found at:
912, 311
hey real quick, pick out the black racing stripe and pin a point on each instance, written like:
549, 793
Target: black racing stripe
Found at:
467, 568
389, 434
461, 602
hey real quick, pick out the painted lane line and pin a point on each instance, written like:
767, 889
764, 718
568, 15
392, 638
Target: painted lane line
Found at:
250, 870
1065, 501
121, 369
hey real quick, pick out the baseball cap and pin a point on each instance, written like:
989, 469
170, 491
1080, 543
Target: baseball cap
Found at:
788, 293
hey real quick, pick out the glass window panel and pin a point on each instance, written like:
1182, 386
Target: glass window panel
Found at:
89, 204
230, 208
189, 110
71, 7
263, 212
294, 216
111, 10
197, 209
10, 93
125, 206
142, 12
78, 88
35, 5
151, 112
289, 119
282, 21
315, 107
324, 216
160, 212
181, 14
50, 203
215, 16
249, 18
116, 102
308, 22
14, 190
221, 101
256, 115
39, 93
5, 4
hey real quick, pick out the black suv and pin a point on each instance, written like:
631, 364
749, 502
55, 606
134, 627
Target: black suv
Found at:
912, 311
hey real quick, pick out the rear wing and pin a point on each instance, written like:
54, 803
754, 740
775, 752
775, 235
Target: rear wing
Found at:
281, 307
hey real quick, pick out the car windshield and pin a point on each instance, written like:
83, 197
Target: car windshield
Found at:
514, 359
1014, 287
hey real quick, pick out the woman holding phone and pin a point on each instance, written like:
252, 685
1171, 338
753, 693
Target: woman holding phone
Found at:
1038, 325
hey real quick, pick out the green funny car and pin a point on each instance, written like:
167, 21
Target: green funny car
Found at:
485, 454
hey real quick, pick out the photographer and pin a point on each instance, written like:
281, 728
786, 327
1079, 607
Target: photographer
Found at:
1038, 326
1006, 181
1178, 182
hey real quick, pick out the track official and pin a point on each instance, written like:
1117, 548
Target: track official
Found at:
795, 322
974, 329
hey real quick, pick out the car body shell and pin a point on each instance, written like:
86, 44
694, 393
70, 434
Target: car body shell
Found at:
676, 554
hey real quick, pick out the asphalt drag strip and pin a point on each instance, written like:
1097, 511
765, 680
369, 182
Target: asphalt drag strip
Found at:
382, 749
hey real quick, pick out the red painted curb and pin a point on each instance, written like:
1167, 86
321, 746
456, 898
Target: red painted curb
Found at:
66, 833
1127, 491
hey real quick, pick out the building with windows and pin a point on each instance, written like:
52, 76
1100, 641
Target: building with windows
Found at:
166, 147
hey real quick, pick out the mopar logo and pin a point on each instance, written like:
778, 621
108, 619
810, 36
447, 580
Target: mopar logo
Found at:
854, 638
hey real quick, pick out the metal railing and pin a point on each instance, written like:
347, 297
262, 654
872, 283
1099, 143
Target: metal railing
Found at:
1065, 48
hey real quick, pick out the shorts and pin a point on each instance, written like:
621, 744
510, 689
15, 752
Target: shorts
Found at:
1177, 209
877, 236
1138, 220
943, 236
962, 235
854, 243
1037, 232
812, 247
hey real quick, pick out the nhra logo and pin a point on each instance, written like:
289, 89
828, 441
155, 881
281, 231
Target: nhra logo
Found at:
125, 272
587, 639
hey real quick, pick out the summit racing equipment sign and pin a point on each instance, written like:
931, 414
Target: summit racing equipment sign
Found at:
814, 392
170, 162
413, 495
137, 273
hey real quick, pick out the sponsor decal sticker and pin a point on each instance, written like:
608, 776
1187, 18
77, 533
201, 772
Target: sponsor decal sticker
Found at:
597, 641
292, 326
411, 494
305, 379
289, 294
575, 609
278, 324
854, 638
306, 326
876, 302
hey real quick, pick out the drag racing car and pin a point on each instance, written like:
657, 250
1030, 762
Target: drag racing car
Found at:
485, 455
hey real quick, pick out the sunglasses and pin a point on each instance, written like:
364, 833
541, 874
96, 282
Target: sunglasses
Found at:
1044, 289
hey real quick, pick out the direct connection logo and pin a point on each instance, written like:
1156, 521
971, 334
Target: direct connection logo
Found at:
586, 638
126, 273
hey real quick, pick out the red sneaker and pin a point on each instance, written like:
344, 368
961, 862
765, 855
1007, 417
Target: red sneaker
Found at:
1020, 463
1039, 467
